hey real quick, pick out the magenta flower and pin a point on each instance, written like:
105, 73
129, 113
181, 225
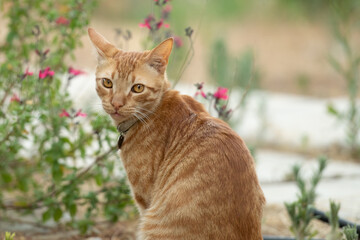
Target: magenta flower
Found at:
161, 23
145, 25
201, 92
221, 93
46, 72
64, 113
15, 98
27, 73
178, 41
75, 72
166, 11
147, 22
62, 21
80, 114
199, 87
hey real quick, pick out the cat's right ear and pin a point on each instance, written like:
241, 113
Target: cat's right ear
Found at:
159, 56
103, 47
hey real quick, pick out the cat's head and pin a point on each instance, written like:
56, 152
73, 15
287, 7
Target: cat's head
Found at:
130, 84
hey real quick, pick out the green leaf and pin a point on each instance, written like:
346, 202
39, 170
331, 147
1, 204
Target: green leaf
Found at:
23, 184
57, 214
99, 179
47, 215
6, 177
56, 172
83, 225
72, 210
9, 236
331, 109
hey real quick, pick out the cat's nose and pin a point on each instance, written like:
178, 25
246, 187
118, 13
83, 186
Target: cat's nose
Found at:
117, 105
117, 102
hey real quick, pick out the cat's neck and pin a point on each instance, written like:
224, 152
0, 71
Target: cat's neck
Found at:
124, 127
171, 111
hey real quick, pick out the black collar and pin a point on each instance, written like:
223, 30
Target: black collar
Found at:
123, 128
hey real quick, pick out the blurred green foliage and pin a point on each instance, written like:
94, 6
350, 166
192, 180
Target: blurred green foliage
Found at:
335, 233
301, 210
350, 233
48, 152
9, 236
347, 64
231, 71
318, 9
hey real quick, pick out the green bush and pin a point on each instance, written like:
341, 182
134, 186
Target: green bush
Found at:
48, 150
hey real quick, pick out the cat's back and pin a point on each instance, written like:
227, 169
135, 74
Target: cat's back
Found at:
208, 185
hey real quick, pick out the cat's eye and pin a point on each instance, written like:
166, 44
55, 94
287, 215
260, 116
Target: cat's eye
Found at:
138, 88
107, 83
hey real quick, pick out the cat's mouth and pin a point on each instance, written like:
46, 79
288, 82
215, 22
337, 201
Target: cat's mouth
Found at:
117, 116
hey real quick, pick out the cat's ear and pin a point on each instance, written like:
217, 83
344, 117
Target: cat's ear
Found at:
159, 56
103, 47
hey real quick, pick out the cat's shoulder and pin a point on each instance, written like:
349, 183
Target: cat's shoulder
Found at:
177, 98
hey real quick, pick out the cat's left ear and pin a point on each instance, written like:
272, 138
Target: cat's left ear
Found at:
103, 47
159, 56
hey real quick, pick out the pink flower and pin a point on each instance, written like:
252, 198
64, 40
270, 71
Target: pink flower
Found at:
15, 98
147, 22
27, 73
64, 113
75, 72
80, 114
199, 87
166, 11
145, 25
201, 92
161, 23
178, 41
62, 21
46, 72
221, 93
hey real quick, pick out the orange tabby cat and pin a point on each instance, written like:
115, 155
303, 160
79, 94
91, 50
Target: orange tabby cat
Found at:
192, 177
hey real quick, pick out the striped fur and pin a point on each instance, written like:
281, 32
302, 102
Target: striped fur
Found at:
191, 175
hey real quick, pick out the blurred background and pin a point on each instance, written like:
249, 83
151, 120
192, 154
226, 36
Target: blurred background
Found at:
292, 73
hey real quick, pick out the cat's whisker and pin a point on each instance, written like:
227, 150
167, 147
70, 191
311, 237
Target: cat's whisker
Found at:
145, 116
144, 109
141, 119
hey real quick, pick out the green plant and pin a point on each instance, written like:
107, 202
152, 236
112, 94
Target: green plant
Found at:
234, 73
9, 236
335, 233
342, 24
301, 210
53, 158
229, 71
347, 233
350, 233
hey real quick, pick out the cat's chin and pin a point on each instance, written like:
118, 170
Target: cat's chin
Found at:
118, 118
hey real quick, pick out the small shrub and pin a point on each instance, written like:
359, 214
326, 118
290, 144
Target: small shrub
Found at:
301, 210
9, 236
48, 149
